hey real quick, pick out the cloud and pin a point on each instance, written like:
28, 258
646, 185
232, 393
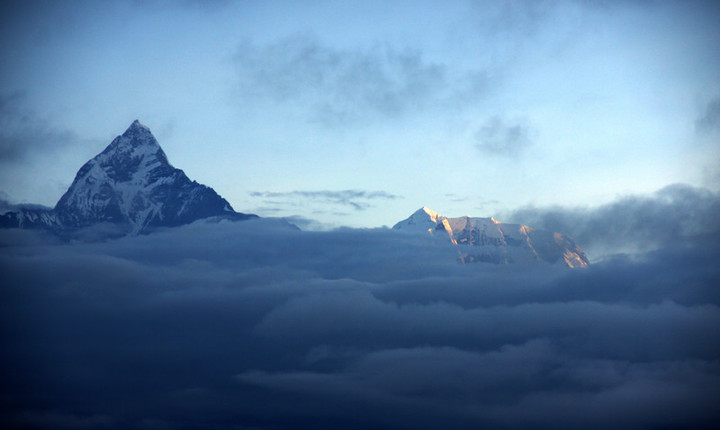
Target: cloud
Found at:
23, 133
356, 199
709, 121
637, 222
342, 86
305, 223
502, 138
256, 325
7, 204
537, 379
516, 23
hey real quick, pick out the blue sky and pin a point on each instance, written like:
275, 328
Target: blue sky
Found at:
357, 114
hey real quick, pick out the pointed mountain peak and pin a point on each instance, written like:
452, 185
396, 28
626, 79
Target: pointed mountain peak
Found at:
423, 219
131, 182
426, 213
139, 134
136, 141
137, 126
426, 210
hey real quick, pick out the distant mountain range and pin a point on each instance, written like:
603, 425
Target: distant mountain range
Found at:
132, 186
488, 240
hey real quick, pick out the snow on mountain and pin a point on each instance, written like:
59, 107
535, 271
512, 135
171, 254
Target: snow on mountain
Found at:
131, 183
489, 240
31, 216
131, 186
423, 220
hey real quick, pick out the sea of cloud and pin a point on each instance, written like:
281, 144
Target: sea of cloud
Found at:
256, 325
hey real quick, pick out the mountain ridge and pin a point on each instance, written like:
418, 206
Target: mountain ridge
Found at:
132, 188
491, 241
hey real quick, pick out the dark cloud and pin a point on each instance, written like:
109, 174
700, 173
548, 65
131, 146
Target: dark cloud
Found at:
23, 133
257, 325
356, 199
344, 86
709, 120
504, 138
640, 222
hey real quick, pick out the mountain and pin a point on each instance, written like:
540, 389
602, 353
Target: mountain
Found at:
132, 184
489, 240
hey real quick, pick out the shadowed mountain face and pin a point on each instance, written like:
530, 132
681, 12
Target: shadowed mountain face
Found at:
489, 240
130, 183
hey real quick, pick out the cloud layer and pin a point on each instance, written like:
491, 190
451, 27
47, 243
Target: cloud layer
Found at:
255, 325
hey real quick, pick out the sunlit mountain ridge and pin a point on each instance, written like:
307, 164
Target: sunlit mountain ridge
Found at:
489, 240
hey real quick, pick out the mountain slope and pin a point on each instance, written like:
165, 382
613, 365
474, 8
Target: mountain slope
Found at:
130, 183
489, 240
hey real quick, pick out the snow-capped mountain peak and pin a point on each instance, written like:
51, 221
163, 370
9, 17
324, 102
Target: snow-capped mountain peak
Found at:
424, 219
137, 138
131, 183
426, 210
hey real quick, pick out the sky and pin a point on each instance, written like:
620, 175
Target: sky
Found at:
358, 113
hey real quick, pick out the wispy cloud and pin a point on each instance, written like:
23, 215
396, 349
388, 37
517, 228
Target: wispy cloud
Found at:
23, 132
341, 86
709, 120
356, 199
504, 138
